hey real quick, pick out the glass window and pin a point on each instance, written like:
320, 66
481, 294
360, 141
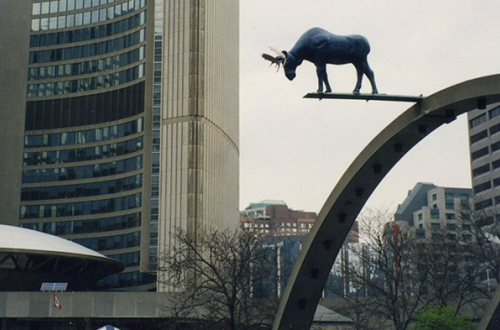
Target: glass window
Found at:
61, 22
78, 19
494, 112
71, 5
36, 9
477, 121
102, 15
88, 3
54, 6
111, 13
44, 24
45, 8
86, 18
62, 6
53, 23
79, 4
95, 16
70, 20
35, 25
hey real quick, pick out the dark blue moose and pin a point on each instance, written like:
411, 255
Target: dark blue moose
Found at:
321, 48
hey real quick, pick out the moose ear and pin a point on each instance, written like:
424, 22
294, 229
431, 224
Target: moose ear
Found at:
285, 52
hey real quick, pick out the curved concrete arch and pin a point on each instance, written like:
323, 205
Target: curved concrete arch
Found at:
342, 207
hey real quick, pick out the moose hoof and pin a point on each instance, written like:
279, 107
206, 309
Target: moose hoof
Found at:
356, 91
375, 91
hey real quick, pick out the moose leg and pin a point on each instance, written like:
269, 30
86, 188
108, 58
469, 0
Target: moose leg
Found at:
371, 76
322, 77
360, 70
327, 84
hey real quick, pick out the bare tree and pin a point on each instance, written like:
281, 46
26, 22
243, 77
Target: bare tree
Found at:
214, 273
483, 230
404, 272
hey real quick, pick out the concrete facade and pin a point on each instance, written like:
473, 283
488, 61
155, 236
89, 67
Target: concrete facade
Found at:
14, 45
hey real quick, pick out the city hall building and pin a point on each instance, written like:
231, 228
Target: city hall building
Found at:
119, 123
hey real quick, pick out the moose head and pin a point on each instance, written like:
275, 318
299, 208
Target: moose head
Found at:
322, 47
288, 61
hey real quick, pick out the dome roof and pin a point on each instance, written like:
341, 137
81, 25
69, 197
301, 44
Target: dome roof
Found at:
18, 239
29, 258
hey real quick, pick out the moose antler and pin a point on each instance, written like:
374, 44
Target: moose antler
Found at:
280, 59
273, 60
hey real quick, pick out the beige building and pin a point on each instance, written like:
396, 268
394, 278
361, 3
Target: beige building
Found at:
120, 123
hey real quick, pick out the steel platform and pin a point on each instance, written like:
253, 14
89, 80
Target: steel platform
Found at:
366, 97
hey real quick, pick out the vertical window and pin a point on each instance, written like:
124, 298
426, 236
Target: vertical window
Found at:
62, 6
95, 16
54, 6
86, 18
36, 9
70, 20
35, 25
71, 5
44, 24
45, 8
61, 24
78, 19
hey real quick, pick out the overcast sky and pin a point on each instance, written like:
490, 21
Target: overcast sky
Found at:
296, 150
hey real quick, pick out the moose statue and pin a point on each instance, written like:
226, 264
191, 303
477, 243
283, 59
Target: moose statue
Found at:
321, 48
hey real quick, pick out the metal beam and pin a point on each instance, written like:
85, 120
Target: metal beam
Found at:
366, 97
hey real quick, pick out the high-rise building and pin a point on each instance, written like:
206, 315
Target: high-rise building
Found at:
119, 123
484, 139
429, 208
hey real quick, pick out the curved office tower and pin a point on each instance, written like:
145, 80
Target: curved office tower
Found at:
119, 123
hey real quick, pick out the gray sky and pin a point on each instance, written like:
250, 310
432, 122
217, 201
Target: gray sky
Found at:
296, 149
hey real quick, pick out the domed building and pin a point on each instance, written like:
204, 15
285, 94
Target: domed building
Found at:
29, 258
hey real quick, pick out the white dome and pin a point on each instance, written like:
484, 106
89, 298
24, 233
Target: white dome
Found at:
23, 240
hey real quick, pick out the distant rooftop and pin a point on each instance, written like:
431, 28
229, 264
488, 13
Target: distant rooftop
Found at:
265, 203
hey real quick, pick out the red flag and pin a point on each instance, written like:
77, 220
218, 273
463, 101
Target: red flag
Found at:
56, 302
